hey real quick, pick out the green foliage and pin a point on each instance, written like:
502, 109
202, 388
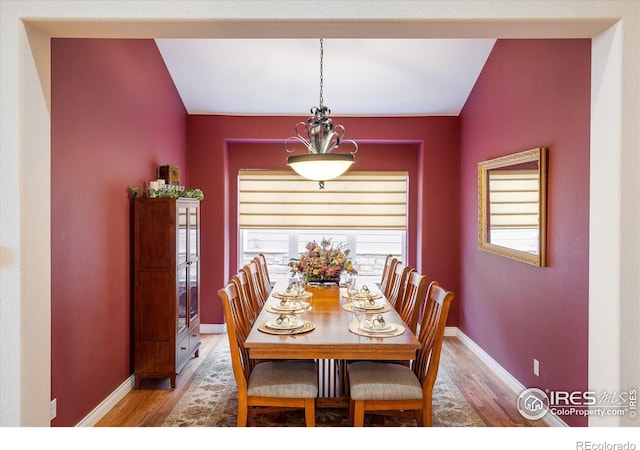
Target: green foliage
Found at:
194, 193
165, 193
136, 191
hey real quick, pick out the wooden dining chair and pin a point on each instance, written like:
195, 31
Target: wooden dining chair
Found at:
398, 283
387, 270
266, 386
251, 308
253, 274
411, 302
264, 272
383, 387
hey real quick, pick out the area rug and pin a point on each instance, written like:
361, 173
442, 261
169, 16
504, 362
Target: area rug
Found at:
211, 401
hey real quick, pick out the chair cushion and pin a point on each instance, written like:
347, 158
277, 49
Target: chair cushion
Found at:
285, 379
370, 380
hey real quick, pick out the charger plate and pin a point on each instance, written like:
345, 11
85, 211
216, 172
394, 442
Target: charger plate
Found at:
308, 326
373, 295
355, 329
277, 309
380, 309
282, 295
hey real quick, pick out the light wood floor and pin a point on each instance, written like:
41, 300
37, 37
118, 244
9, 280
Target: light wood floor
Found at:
492, 399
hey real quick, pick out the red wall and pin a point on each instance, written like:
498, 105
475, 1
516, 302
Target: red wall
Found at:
115, 115
531, 93
427, 147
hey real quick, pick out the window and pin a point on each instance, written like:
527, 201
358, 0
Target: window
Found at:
279, 212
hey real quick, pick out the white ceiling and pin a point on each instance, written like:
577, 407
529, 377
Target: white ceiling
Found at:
362, 77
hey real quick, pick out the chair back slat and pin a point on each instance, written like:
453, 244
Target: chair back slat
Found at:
253, 274
398, 283
250, 305
264, 272
412, 299
434, 321
387, 271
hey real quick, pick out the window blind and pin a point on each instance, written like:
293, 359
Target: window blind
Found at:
514, 198
358, 200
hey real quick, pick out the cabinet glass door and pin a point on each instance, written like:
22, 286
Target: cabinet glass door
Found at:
182, 233
183, 287
194, 218
193, 290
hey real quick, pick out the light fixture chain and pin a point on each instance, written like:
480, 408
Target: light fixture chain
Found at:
321, 78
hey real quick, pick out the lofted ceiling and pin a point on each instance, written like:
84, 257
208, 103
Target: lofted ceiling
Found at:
361, 77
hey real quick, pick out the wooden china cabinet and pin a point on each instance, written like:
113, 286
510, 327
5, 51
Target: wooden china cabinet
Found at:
166, 286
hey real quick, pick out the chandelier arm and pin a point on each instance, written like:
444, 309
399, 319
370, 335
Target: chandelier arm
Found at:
351, 141
300, 129
339, 130
295, 138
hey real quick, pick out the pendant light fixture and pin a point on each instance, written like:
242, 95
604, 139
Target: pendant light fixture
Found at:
320, 138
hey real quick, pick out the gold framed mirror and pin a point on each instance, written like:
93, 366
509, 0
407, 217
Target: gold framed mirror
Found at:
512, 209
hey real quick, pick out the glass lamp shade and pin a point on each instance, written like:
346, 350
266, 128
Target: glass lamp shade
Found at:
320, 166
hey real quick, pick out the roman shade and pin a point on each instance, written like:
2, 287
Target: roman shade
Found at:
271, 199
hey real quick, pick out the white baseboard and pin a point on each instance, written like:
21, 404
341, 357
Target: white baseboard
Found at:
451, 331
107, 404
213, 328
517, 387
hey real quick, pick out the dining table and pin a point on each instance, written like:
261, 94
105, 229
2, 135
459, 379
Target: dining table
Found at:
331, 335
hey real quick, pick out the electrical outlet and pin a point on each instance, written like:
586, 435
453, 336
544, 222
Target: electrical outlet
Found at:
53, 409
536, 367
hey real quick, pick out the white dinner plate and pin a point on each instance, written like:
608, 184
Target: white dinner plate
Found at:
374, 306
286, 308
389, 328
287, 294
284, 326
374, 296
289, 307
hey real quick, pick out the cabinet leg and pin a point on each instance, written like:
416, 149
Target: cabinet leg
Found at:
173, 382
136, 385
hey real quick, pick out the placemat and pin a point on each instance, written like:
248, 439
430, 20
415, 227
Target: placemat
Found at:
353, 327
308, 326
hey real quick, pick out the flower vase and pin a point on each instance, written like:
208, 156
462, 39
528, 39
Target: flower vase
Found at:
324, 281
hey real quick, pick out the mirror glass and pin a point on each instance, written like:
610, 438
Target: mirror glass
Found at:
512, 206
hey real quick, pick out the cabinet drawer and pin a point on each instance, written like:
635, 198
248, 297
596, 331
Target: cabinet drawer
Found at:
194, 339
183, 351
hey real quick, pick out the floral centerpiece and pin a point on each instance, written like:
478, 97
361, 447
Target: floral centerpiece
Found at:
323, 262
